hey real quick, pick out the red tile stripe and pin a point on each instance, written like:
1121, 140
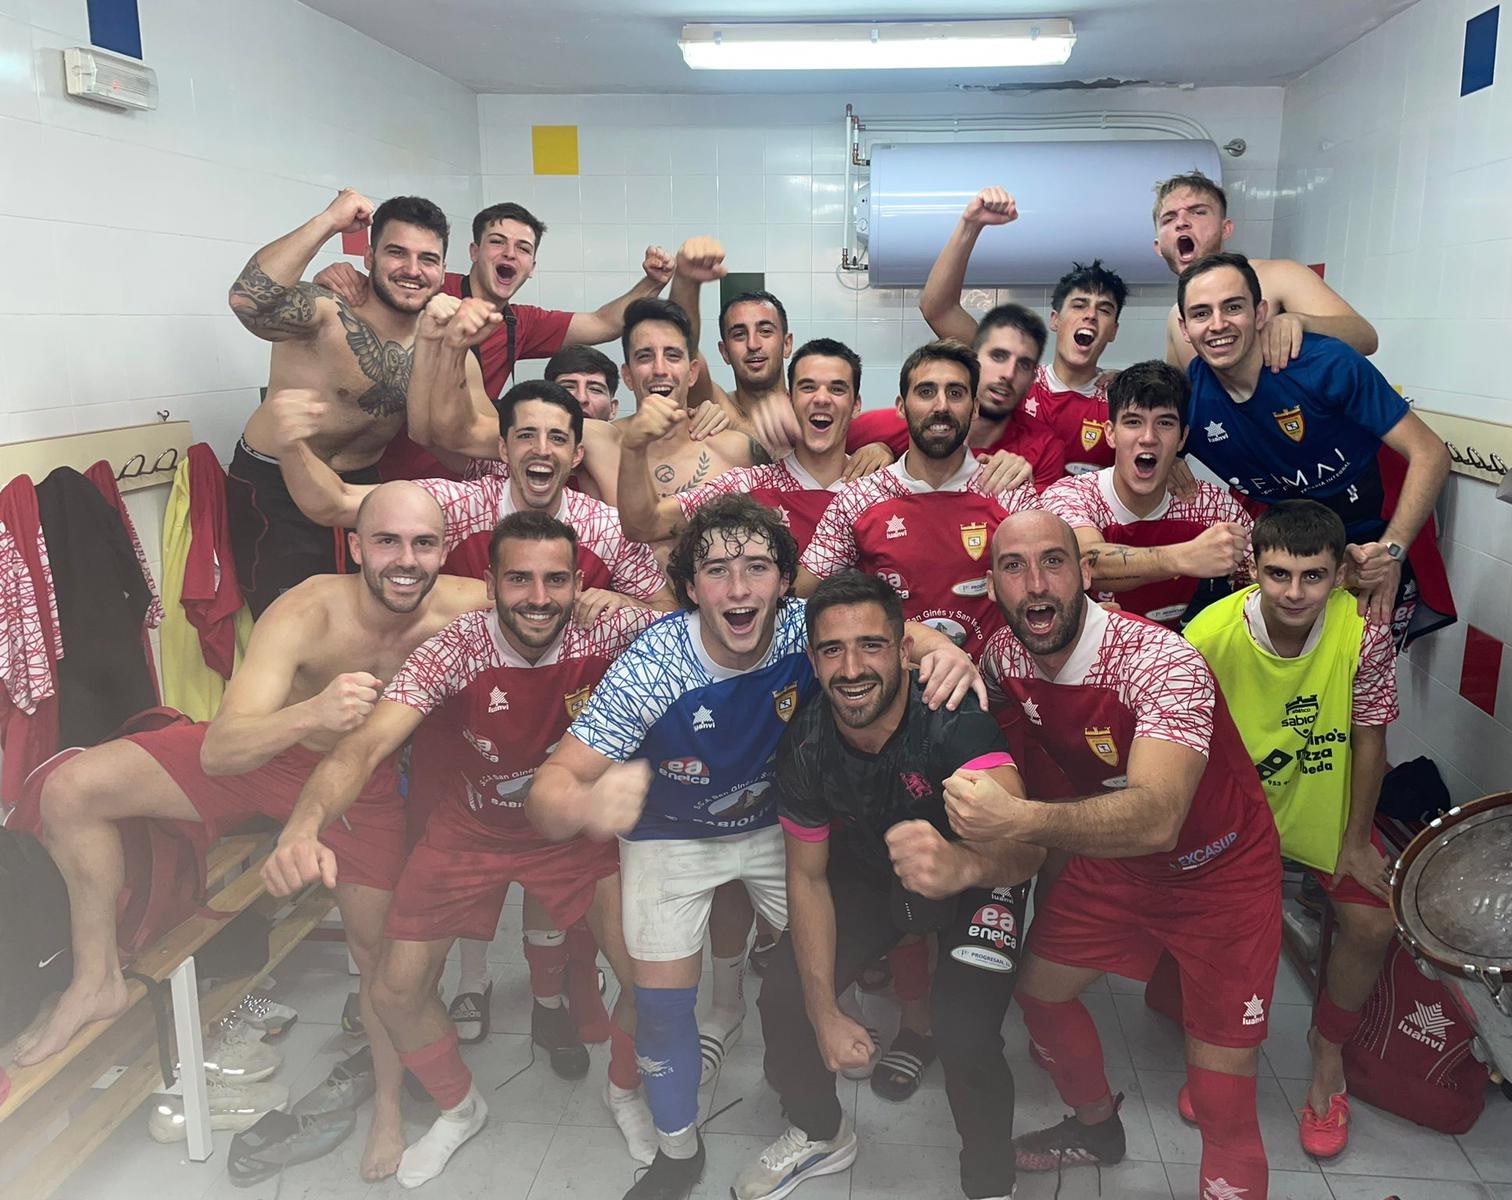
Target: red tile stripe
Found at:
1481, 669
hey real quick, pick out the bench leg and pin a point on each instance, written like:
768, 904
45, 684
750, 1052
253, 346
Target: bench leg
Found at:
191, 1055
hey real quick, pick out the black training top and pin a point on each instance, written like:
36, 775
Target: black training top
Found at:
825, 783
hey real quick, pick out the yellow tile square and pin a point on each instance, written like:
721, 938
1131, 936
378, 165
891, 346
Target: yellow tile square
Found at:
554, 149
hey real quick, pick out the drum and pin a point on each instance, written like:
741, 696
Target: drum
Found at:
1451, 895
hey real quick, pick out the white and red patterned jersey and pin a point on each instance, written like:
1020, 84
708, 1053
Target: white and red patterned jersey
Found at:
494, 718
1091, 501
1374, 697
1075, 415
607, 558
932, 544
1129, 678
30, 639
784, 485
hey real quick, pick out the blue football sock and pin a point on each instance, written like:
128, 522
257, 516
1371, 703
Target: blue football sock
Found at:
666, 1051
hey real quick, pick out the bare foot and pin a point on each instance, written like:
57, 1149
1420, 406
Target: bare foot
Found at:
385, 1146
77, 1007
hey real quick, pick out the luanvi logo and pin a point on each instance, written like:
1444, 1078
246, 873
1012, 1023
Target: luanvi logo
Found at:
1426, 1023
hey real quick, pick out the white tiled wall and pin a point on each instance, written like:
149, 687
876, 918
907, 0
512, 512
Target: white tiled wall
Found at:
122, 230
1401, 187
765, 175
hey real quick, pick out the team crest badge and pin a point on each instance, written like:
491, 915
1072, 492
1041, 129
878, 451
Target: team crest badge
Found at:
1091, 434
1101, 743
974, 539
1292, 423
786, 701
576, 702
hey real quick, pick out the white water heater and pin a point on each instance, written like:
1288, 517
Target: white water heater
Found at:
1077, 200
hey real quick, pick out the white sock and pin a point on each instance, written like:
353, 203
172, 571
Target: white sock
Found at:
474, 974
727, 1002
681, 1144
425, 1159
633, 1116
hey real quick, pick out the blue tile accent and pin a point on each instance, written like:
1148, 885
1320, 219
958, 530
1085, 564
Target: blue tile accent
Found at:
1480, 52
114, 25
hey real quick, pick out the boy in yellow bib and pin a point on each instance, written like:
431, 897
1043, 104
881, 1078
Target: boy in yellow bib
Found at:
1312, 686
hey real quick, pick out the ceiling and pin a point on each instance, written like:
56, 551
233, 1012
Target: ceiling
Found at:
587, 46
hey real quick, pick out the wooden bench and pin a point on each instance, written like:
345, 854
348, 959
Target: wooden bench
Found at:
67, 1085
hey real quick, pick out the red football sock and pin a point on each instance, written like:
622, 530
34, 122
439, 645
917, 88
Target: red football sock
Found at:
440, 1068
548, 966
623, 1072
1336, 1024
1233, 1156
1072, 1050
910, 970
582, 985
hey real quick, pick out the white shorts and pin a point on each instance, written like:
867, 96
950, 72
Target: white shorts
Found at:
668, 887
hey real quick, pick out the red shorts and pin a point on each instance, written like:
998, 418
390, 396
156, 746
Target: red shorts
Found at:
1222, 928
455, 881
368, 841
1348, 890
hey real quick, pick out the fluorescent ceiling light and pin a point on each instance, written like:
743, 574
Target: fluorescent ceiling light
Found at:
885, 45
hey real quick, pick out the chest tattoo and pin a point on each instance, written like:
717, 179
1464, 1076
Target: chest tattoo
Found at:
699, 473
386, 364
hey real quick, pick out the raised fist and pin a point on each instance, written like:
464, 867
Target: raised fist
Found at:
350, 211
298, 859
347, 701
656, 418
657, 265
298, 414
472, 323
991, 206
923, 861
701, 259
439, 309
1216, 552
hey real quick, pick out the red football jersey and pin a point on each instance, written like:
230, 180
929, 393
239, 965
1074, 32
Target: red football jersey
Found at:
783, 485
932, 544
1128, 678
495, 717
1090, 501
607, 558
538, 333
1075, 417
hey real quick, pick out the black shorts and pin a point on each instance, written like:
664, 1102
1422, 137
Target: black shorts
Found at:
275, 545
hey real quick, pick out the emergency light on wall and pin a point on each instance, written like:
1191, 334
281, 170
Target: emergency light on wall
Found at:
892, 45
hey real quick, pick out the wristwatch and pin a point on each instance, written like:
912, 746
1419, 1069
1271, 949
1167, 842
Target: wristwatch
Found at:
1395, 551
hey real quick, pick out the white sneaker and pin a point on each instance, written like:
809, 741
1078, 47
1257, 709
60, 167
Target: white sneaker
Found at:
270, 1018
423, 1160
633, 1116
232, 1106
791, 1159
238, 1054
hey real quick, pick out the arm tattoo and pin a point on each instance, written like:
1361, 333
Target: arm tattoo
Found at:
387, 364
264, 305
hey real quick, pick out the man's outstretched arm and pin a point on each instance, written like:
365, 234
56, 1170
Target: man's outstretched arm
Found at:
607, 321
268, 297
940, 301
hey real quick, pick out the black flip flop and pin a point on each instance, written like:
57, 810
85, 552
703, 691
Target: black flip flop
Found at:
900, 1071
472, 1008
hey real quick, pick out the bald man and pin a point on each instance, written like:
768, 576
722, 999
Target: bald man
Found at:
1135, 772
317, 661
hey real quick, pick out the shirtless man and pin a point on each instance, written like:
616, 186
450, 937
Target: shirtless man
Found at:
754, 340
313, 671
355, 355
1191, 222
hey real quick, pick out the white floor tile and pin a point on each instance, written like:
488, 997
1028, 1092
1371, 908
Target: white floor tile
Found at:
1488, 1145
1131, 1179
1363, 1187
536, 1096
889, 1172
584, 1164
1284, 1185
1384, 1145
1155, 1043
1285, 1048
1182, 1143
